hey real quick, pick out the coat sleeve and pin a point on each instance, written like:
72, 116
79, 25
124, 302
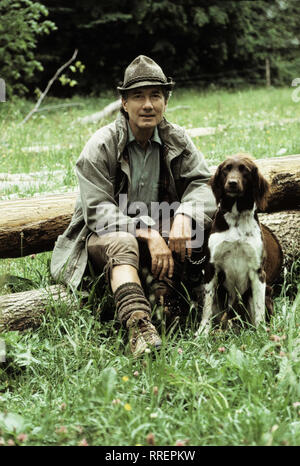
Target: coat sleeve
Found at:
96, 183
197, 201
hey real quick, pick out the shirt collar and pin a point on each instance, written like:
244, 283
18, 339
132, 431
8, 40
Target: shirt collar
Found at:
155, 136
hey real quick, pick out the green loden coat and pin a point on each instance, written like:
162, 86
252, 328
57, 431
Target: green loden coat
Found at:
103, 173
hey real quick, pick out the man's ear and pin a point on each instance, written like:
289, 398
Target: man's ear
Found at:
124, 104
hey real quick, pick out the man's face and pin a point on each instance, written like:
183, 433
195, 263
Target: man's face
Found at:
145, 107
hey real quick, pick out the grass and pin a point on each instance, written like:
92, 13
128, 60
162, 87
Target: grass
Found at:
72, 381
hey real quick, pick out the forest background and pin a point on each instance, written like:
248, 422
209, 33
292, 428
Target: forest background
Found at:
202, 43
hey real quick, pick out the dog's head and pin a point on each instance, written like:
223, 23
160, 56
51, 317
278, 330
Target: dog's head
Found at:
239, 176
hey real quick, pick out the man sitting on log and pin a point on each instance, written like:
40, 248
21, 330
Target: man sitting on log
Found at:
144, 201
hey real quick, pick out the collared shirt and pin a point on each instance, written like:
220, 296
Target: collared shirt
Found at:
144, 169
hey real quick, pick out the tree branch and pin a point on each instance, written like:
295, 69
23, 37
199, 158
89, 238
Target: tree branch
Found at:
43, 95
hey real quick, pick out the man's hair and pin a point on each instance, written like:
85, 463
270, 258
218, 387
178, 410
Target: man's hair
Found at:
124, 95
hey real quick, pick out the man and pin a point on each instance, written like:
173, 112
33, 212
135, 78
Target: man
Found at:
140, 161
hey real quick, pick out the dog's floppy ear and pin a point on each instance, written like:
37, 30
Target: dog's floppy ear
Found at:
215, 183
261, 189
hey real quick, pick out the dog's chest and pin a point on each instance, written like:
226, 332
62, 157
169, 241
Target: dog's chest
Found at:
238, 250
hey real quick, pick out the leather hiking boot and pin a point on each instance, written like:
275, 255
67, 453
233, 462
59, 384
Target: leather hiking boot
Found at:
142, 333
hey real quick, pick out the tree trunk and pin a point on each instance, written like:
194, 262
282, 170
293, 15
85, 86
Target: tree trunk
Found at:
105, 113
286, 227
32, 225
283, 174
25, 310
268, 73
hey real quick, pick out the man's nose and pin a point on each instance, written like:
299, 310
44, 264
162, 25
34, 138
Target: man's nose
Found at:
147, 103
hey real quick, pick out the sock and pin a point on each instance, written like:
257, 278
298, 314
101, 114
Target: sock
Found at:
130, 298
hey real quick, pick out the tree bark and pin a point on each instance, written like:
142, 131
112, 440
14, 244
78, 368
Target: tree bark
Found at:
32, 225
26, 309
286, 227
105, 113
283, 174
268, 73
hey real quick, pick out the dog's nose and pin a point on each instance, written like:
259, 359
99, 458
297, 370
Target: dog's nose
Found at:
232, 183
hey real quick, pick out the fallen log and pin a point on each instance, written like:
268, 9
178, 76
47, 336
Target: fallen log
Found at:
20, 177
286, 226
106, 112
30, 180
26, 309
32, 225
283, 174
29, 226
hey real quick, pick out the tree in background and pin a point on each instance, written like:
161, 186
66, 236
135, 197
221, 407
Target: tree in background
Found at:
21, 22
264, 30
197, 42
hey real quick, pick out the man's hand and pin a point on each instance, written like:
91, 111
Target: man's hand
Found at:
161, 255
180, 236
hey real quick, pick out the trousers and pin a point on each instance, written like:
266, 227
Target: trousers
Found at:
115, 248
122, 248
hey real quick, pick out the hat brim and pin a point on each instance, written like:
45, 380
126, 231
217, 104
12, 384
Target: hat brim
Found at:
169, 85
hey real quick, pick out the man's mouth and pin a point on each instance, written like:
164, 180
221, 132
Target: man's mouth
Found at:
147, 116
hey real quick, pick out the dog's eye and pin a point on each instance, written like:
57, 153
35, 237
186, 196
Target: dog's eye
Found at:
243, 168
228, 167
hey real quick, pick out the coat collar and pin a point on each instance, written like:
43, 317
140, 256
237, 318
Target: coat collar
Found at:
171, 136
154, 138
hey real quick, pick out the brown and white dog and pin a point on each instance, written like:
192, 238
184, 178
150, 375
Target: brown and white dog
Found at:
244, 257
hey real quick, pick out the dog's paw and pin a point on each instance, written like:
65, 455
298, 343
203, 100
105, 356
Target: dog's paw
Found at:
202, 330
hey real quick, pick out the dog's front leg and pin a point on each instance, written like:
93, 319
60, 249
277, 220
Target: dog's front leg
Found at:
210, 307
257, 300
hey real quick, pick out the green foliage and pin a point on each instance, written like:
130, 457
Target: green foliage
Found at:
226, 43
20, 26
65, 80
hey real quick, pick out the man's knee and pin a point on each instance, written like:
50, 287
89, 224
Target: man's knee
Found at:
121, 243
113, 249
122, 249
